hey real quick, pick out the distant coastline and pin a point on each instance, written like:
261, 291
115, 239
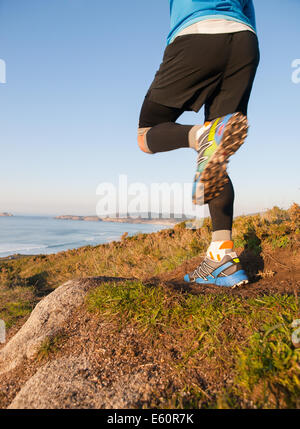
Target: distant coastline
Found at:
73, 217
4, 214
158, 221
44, 235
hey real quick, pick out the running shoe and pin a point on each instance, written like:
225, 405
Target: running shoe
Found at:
226, 273
217, 141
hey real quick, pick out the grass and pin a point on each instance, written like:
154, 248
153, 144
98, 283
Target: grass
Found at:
15, 304
249, 340
51, 345
145, 255
268, 368
242, 347
130, 301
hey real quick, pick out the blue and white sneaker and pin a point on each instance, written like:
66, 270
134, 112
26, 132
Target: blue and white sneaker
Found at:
226, 273
216, 142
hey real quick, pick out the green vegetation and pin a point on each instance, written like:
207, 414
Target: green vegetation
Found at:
247, 340
131, 301
146, 255
276, 229
241, 345
51, 345
15, 304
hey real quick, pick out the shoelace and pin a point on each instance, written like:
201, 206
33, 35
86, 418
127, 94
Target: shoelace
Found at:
203, 270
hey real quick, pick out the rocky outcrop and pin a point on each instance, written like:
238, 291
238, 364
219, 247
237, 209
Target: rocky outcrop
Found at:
159, 221
70, 383
137, 220
91, 375
65, 380
86, 218
45, 320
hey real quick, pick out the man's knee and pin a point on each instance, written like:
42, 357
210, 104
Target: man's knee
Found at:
142, 140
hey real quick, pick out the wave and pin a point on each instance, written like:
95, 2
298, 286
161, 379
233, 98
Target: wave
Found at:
20, 247
72, 243
7, 249
54, 241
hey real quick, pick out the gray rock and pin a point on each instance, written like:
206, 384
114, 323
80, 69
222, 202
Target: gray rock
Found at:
69, 383
79, 380
62, 383
45, 320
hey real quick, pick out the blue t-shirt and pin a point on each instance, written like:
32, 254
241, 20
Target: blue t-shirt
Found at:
187, 12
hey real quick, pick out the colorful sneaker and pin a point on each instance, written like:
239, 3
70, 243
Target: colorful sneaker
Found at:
217, 141
227, 273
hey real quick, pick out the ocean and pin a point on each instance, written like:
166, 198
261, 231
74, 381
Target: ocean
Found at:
33, 235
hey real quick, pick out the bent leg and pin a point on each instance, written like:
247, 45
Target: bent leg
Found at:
158, 131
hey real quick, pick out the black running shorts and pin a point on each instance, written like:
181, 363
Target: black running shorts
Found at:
215, 70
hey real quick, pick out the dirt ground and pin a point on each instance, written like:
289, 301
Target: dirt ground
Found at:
127, 369
269, 273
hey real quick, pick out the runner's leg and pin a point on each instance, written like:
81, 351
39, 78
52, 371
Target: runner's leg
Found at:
232, 96
160, 133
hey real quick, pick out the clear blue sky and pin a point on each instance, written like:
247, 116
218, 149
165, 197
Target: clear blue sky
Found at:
77, 73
